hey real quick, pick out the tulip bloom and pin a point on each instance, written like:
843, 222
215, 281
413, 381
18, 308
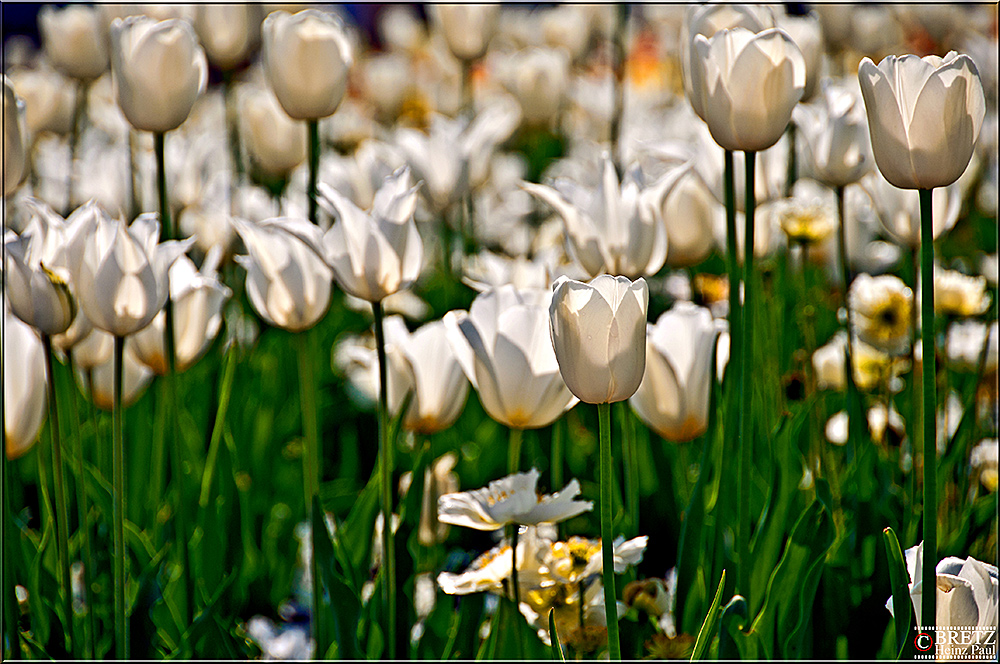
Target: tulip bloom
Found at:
467, 29
229, 32
745, 85
198, 297
306, 59
14, 153
924, 115
288, 281
375, 253
159, 71
616, 228
599, 336
276, 143
673, 396
121, 272
75, 38
137, 376
690, 214
24, 385
836, 136
503, 347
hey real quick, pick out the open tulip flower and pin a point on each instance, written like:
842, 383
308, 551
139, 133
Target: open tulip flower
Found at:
513, 499
924, 115
288, 281
617, 228
198, 296
746, 85
599, 336
503, 346
121, 271
374, 253
673, 396
159, 70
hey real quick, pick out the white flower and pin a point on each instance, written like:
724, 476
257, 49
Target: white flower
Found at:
984, 461
956, 294
965, 343
24, 386
580, 558
513, 499
490, 571
835, 130
882, 308
899, 209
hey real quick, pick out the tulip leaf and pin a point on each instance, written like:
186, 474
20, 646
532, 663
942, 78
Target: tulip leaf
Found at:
734, 643
899, 577
708, 627
692, 547
557, 652
342, 609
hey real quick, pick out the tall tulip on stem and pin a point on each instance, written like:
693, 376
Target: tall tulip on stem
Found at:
924, 116
599, 337
746, 387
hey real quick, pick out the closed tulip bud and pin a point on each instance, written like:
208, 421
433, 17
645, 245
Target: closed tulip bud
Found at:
75, 38
307, 57
746, 86
539, 78
690, 214
24, 383
899, 209
14, 154
673, 396
375, 253
835, 130
198, 297
276, 143
38, 281
805, 32
288, 281
228, 32
503, 346
48, 103
599, 336
467, 29
120, 272
93, 350
924, 115
102, 376
159, 71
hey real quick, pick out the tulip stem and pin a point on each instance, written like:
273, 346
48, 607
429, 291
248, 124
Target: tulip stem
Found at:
84, 511
856, 419
118, 489
11, 632
313, 128
745, 415
607, 536
311, 473
62, 515
619, 54
79, 113
514, 451
386, 454
928, 572
166, 230
792, 174
515, 531
233, 132
735, 366
630, 468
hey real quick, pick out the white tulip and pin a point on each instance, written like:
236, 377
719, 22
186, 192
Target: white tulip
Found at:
503, 346
745, 85
599, 336
467, 29
924, 115
159, 71
93, 350
375, 253
102, 377
899, 209
965, 343
24, 386
307, 57
197, 297
75, 38
276, 143
617, 228
288, 280
229, 32
673, 396
120, 271
805, 32
48, 103
690, 215
835, 130
539, 78
966, 595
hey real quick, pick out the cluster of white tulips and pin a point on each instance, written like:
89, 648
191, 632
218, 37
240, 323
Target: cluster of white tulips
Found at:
766, 233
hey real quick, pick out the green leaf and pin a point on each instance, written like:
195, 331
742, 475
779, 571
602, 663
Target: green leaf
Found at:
708, 627
734, 643
342, 610
557, 651
899, 578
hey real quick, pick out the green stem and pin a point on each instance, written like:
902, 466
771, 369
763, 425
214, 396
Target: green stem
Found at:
84, 510
619, 54
311, 472
233, 133
746, 418
856, 419
386, 454
79, 113
62, 514
607, 535
514, 451
118, 489
733, 374
225, 390
166, 231
792, 174
133, 188
516, 595
313, 128
558, 443
11, 632
929, 602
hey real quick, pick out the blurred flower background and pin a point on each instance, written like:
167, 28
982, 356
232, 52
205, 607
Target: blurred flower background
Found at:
306, 308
